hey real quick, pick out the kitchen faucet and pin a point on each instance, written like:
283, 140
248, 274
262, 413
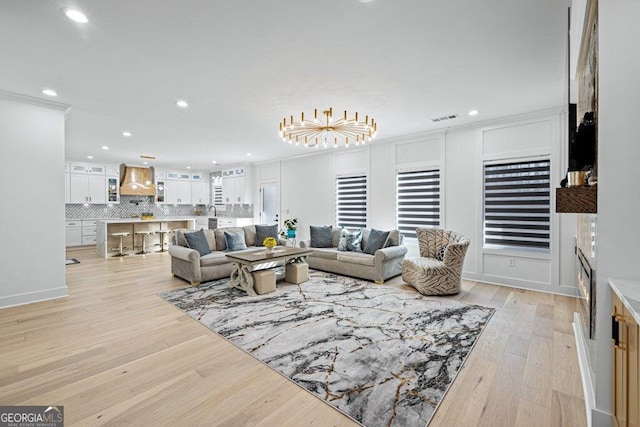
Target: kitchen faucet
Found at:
215, 211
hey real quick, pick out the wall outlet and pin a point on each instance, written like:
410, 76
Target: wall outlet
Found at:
511, 262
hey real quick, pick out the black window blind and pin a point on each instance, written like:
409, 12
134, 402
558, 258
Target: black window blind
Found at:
517, 207
417, 200
351, 201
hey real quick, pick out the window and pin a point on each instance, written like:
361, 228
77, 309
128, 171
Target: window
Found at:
351, 201
417, 200
517, 209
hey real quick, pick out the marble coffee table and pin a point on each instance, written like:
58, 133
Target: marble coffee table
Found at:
244, 262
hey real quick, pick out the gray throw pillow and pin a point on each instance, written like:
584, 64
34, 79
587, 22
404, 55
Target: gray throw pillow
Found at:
235, 241
377, 239
264, 231
198, 241
350, 241
321, 236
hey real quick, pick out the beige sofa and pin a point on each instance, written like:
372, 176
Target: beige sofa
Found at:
385, 264
189, 265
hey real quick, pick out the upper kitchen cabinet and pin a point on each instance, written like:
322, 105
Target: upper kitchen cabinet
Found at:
236, 185
85, 189
199, 189
87, 168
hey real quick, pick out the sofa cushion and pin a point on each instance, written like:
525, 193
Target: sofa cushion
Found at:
264, 231
423, 263
376, 240
250, 235
350, 240
326, 253
356, 258
395, 239
235, 241
321, 236
214, 258
198, 242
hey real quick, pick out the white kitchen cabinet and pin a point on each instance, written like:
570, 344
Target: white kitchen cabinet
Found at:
234, 222
235, 190
178, 192
86, 188
200, 192
113, 170
88, 232
113, 189
73, 233
87, 168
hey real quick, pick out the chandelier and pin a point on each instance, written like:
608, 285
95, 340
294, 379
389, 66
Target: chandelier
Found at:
328, 129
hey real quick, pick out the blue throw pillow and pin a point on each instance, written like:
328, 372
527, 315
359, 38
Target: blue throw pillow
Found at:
321, 236
350, 241
264, 231
376, 241
235, 241
198, 241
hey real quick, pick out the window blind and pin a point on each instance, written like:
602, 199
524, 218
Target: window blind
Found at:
351, 201
517, 207
417, 200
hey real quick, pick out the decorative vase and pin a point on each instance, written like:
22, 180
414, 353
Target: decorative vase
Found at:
291, 234
270, 250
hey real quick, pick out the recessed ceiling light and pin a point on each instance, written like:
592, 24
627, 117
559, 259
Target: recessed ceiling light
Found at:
75, 15
49, 92
104, 147
365, 1
188, 167
126, 133
182, 103
145, 163
214, 162
248, 154
474, 112
89, 157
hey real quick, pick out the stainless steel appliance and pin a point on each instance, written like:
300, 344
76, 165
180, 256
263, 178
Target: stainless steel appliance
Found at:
213, 223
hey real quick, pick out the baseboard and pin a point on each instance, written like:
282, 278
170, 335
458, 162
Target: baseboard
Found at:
31, 297
520, 284
587, 386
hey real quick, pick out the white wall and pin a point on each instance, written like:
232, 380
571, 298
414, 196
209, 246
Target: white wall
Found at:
32, 176
308, 193
618, 189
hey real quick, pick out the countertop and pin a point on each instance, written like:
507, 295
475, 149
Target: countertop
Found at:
629, 293
157, 219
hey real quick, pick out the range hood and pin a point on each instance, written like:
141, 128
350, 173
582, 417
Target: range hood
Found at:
137, 181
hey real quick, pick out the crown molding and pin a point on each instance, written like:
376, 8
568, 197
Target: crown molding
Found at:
12, 96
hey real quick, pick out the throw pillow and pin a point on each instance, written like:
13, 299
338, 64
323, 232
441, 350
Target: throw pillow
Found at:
198, 242
321, 236
440, 253
235, 241
264, 231
350, 241
377, 239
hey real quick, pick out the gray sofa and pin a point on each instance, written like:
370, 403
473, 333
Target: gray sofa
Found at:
385, 264
189, 265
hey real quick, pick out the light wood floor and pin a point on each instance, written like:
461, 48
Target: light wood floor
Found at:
114, 353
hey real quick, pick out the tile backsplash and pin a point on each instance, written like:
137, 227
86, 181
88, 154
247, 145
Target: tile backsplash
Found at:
135, 205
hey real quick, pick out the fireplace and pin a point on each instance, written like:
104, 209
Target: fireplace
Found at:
586, 281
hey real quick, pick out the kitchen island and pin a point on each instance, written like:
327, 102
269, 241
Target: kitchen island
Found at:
105, 242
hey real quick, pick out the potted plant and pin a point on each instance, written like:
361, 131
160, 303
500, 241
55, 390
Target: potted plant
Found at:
290, 227
269, 243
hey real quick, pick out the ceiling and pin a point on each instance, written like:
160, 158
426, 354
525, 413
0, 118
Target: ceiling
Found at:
245, 65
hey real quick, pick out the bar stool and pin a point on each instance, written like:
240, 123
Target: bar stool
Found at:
162, 233
119, 248
144, 235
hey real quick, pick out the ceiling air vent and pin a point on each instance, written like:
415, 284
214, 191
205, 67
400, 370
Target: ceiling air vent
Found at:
443, 118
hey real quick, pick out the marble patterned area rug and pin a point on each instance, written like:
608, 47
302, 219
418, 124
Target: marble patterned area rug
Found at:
381, 355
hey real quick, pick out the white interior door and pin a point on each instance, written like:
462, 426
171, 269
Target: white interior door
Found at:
269, 203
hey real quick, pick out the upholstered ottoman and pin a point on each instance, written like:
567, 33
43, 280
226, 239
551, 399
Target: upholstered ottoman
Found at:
296, 272
264, 281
